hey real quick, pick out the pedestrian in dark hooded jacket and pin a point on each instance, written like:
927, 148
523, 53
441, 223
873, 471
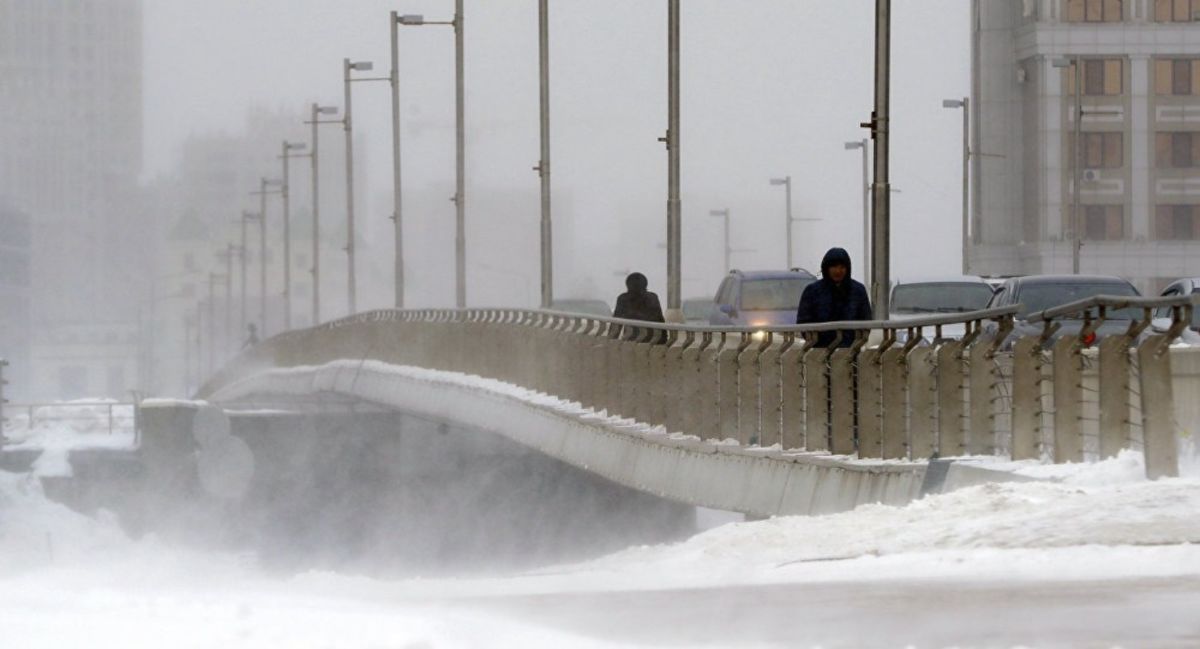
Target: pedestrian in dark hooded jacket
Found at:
636, 303
834, 298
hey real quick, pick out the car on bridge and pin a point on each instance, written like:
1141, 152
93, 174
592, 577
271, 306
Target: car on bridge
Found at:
923, 297
696, 309
1034, 293
758, 298
1185, 286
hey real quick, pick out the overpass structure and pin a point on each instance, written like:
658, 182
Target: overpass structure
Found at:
760, 420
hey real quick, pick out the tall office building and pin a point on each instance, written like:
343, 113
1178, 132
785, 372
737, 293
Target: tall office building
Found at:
1134, 171
70, 158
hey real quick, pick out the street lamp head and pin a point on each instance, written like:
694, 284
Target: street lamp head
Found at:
854, 145
326, 110
952, 103
362, 66
412, 19
718, 212
295, 146
249, 216
272, 182
781, 181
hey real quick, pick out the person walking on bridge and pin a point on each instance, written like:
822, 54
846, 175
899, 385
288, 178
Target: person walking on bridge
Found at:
636, 303
836, 297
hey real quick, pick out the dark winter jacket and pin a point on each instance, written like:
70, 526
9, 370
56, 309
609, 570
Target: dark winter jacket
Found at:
825, 301
636, 303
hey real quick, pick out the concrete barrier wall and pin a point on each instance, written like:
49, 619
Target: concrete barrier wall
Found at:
682, 468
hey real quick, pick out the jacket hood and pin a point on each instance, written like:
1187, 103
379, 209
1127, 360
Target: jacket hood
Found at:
834, 257
636, 283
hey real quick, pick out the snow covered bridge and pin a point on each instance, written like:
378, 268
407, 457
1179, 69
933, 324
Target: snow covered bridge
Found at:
760, 420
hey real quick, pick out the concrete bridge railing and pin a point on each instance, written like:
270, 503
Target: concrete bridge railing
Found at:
894, 390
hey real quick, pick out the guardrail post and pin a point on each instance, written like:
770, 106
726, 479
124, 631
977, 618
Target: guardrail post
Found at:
1068, 374
842, 406
922, 395
708, 388
659, 373
1027, 398
870, 404
981, 386
894, 427
677, 379
748, 390
1158, 408
1114, 395
771, 397
792, 374
950, 405
816, 399
727, 373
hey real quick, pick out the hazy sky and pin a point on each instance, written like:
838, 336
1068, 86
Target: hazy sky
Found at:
770, 88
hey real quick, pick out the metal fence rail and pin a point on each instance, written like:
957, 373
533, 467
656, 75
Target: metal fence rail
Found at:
104, 416
884, 389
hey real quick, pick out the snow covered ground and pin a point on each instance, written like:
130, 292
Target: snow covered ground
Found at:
1100, 558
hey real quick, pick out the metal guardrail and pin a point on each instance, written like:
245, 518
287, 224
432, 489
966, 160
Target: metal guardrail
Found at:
113, 415
876, 395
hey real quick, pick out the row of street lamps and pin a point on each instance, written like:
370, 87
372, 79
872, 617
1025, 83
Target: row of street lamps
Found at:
671, 140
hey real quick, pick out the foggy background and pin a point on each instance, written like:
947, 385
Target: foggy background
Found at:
770, 88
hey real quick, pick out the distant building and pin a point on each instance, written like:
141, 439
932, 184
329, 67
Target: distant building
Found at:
70, 158
1139, 153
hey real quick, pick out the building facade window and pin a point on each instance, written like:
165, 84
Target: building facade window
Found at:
1100, 150
1103, 222
1094, 11
1177, 222
1176, 11
1177, 76
1101, 77
1177, 150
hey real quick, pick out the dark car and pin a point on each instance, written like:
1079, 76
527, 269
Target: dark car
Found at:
938, 296
759, 298
1035, 293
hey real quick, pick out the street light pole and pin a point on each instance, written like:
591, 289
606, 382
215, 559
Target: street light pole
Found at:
315, 121
724, 213
397, 220
543, 167
262, 193
866, 204
460, 192
674, 204
246, 217
786, 181
287, 154
880, 126
964, 104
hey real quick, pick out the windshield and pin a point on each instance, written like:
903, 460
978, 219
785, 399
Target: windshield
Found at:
773, 294
1038, 297
940, 297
